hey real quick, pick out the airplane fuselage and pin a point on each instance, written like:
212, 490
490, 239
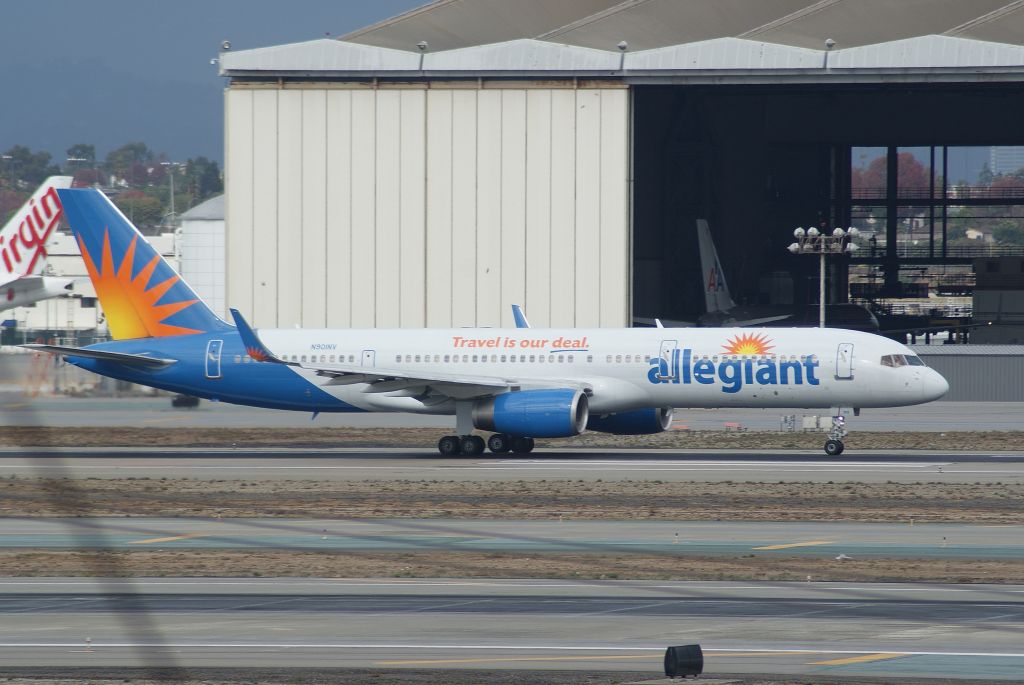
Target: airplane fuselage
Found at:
621, 369
31, 289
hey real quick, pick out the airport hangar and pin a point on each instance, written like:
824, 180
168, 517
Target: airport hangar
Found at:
435, 168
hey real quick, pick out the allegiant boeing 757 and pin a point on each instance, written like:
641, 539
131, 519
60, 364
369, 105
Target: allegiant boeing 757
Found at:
518, 383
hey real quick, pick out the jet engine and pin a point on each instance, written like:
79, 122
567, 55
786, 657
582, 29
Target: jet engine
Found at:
636, 422
555, 413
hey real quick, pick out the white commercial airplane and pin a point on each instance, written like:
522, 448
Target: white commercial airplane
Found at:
518, 383
23, 249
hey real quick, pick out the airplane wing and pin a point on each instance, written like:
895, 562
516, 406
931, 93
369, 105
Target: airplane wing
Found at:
119, 357
457, 385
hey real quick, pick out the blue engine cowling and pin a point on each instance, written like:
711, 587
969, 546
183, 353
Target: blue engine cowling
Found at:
557, 413
636, 422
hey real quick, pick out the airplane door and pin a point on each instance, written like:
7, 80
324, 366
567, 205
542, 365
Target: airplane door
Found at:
213, 349
666, 368
844, 361
369, 358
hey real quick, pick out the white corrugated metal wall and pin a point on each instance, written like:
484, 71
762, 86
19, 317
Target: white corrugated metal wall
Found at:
354, 206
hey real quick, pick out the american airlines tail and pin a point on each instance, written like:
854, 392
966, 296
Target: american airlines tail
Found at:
23, 239
141, 295
716, 290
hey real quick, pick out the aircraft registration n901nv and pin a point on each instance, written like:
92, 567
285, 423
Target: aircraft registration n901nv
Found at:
519, 383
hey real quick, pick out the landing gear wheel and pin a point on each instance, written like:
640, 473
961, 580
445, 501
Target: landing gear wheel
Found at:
472, 445
833, 448
499, 443
522, 445
449, 446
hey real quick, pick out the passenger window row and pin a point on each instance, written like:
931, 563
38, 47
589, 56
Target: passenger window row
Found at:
488, 359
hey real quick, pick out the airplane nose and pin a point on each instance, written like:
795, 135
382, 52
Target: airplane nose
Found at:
933, 385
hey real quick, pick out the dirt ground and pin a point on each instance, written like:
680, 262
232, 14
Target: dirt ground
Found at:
447, 564
427, 439
546, 499
998, 503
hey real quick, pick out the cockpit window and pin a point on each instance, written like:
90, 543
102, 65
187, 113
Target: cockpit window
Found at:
914, 360
894, 360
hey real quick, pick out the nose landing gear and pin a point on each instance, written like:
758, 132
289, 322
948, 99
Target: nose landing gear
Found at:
834, 445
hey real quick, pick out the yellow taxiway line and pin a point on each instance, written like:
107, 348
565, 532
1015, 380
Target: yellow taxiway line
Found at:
863, 659
172, 538
810, 543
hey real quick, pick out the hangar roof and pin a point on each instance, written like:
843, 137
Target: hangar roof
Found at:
645, 24
211, 210
668, 40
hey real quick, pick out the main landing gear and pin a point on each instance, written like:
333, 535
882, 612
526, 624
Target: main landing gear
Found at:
469, 445
473, 445
834, 445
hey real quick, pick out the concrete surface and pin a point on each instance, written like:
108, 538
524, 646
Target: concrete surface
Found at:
589, 464
836, 629
821, 539
20, 410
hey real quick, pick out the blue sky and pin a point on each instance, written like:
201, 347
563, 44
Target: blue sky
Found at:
109, 72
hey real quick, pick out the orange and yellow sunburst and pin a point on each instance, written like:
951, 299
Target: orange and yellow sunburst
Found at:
749, 343
132, 310
257, 354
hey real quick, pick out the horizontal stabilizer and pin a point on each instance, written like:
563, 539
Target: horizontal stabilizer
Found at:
103, 355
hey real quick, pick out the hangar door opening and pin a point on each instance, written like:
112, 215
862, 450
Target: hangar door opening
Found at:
758, 161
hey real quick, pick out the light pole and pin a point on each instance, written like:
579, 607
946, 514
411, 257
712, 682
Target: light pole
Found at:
813, 241
7, 163
172, 168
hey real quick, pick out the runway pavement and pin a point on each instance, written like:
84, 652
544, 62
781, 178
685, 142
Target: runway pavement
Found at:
824, 540
20, 410
345, 464
836, 629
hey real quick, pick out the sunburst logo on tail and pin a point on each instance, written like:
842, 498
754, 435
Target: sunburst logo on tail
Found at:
130, 304
748, 343
257, 354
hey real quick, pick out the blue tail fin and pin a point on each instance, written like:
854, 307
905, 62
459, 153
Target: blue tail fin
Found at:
141, 295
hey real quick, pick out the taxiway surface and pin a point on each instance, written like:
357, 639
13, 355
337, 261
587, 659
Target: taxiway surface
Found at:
17, 409
819, 539
346, 464
840, 629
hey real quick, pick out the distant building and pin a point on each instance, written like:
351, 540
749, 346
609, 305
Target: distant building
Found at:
434, 168
1006, 159
202, 251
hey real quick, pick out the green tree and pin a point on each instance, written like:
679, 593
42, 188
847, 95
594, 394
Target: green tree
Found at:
131, 156
203, 178
81, 163
141, 209
82, 154
32, 168
1009, 232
